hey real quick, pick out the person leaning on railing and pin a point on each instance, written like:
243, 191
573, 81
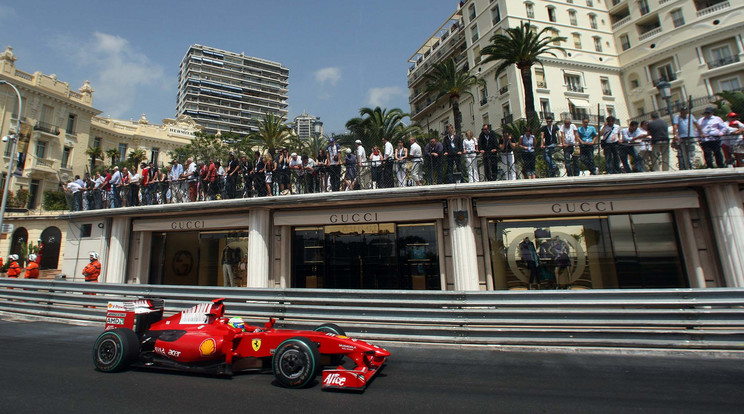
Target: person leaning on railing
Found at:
736, 129
527, 151
610, 134
712, 128
488, 146
630, 138
587, 140
350, 173
567, 139
452, 144
401, 155
376, 164
686, 132
548, 141
507, 145
434, 152
414, 153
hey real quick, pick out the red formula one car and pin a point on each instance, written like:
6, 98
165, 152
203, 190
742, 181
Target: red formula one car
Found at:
201, 339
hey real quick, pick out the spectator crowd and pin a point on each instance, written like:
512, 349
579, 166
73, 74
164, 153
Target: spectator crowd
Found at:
562, 148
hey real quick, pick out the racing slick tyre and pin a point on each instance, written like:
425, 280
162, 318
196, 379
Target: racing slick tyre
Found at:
296, 362
115, 350
334, 329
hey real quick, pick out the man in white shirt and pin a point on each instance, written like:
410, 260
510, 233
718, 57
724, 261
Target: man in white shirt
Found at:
631, 136
307, 173
610, 134
363, 176
115, 188
174, 176
415, 154
387, 165
189, 174
568, 135
295, 168
686, 132
74, 188
711, 130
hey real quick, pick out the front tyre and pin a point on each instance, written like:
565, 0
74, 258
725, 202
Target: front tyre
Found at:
335, 360
296, 362
115, 350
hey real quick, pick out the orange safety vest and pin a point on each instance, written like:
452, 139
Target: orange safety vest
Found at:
14, 270
32, 271
92, 271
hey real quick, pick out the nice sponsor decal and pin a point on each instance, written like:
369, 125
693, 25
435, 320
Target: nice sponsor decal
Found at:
208, 347
334, 380
115, 321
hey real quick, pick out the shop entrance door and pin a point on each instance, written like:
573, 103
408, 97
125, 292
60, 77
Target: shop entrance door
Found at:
361, 257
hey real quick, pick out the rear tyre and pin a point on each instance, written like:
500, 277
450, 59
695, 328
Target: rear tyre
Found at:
115, 350
337, 330
296, 362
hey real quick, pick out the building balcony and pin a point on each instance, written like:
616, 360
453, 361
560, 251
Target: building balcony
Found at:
546, 115
575, 88
669, 78
710, 9
650, 33
504, 90
621, 22
541, 85
507, 119
46, 127
41, 165
484, 101
723, 62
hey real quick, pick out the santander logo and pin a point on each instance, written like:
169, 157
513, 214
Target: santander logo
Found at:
335, 379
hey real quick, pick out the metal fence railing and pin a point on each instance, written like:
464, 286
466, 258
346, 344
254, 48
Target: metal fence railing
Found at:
661, 318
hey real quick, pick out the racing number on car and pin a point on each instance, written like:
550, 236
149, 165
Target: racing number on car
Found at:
256, 343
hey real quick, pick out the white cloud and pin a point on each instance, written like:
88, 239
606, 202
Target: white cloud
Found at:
119, 72
330, 76
382, 96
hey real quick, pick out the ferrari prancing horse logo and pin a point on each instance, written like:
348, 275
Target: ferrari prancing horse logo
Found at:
256, 343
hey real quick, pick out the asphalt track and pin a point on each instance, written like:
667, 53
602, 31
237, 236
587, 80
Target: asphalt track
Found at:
47, 368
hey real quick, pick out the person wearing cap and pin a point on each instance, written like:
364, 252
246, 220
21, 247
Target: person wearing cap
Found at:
686, 132
361, 155
92, 270
712, 128
334, 162
231, 181
350, 174
295, 166
735, 130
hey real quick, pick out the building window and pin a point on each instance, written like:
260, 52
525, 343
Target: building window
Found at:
471, 12
530, 8
65, 162
606, 91
545, 108
678, 18
573, 83
666, 72
484, 96
71, 124
572, 17
85, 230
593, 21
597, 43
590, 3
33, 195
577, 40
154, 153
122, 152
720, 54
624, 41
551, 14
540, 79
41, 149
495, 15
611, 111
97, 142
474, 30
556, 34
730, 85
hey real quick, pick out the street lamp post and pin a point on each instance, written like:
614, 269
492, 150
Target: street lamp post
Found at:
665, 90
13, 137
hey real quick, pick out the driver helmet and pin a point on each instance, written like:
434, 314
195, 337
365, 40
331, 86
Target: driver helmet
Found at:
13, 257
237, 323
32, 257
93, 256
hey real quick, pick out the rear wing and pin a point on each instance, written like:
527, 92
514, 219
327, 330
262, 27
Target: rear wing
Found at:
136, 315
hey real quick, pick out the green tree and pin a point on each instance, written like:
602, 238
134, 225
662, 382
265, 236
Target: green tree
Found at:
272, 133
374, 124
94, 153
113, 155
445, 79
522, 46
731, 101
135, 158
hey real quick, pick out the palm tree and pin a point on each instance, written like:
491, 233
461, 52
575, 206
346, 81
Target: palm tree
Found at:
522, 46
135, 158
113, 154
373, 124
731, 101
272, 133
94, 153
445, 79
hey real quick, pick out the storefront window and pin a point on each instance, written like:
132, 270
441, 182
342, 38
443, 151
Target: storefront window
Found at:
208, 258
366, 256
618, 251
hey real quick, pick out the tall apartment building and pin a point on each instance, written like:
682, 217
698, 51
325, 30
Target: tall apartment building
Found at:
54, 128
615, 53
305, 126
696, 45
230, 92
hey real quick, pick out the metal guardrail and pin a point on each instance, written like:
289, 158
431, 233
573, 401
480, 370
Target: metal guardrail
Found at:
668, 318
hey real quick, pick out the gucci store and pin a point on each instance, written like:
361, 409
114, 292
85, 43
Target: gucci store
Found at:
377, 247
196, 251
603, 242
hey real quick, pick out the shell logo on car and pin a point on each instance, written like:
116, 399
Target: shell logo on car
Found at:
207, 347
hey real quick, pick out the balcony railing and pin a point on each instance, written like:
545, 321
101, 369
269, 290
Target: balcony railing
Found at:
546, 115
507, 119
723, 62
43, 162
669, 78
713, 9
45, 127
504, 90
484, 101
650, 33
542, 84
575, 88
621, 22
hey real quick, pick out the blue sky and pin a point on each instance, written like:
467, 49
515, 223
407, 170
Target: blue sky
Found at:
342, 55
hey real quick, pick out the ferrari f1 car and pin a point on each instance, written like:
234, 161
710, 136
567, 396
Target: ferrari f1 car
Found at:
201, 339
